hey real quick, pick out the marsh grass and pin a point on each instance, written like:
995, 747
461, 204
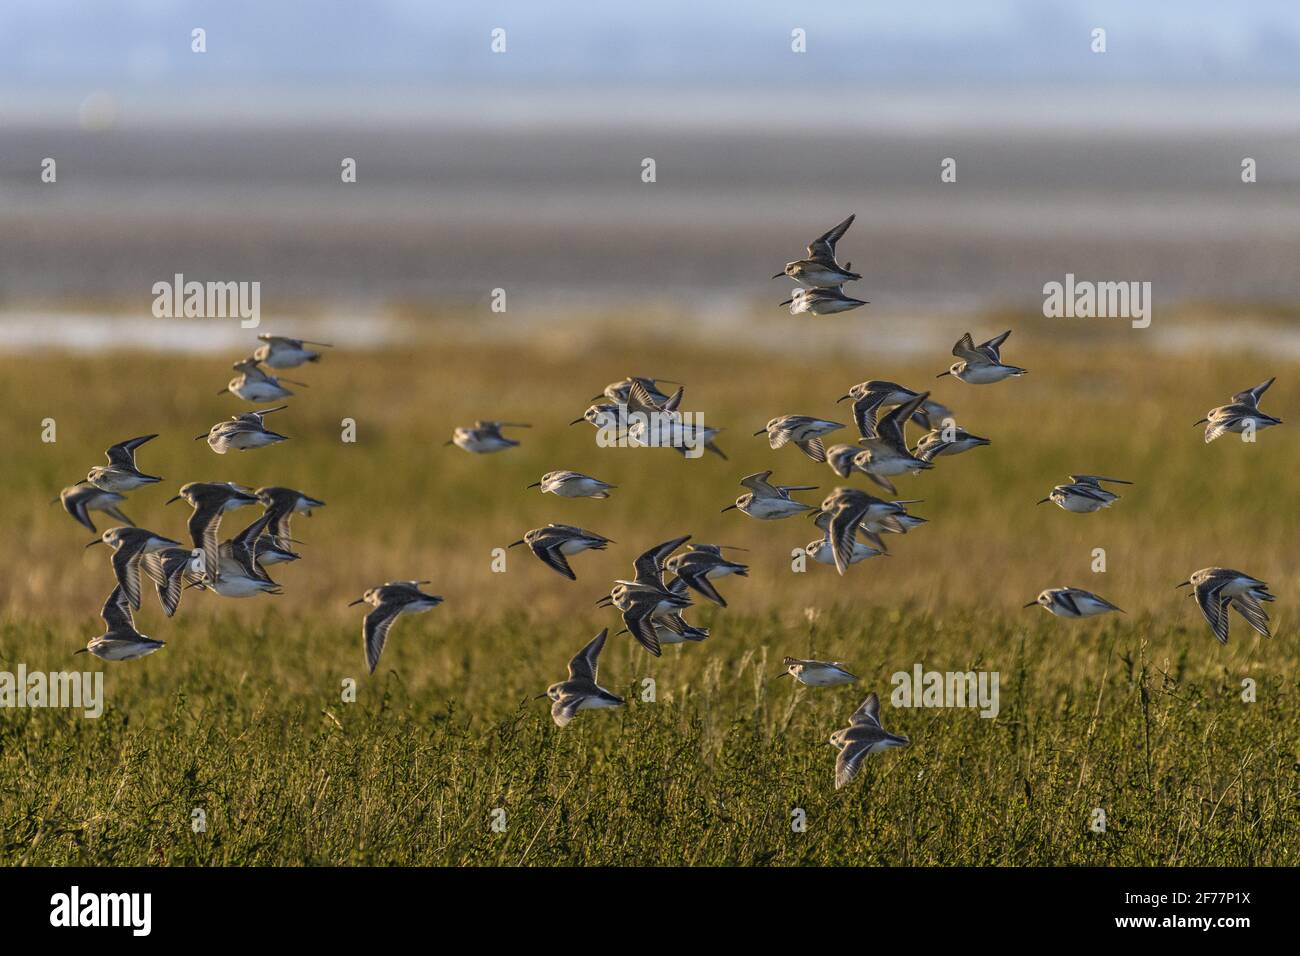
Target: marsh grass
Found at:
242, 716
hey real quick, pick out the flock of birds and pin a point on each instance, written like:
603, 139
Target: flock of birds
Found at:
652, 606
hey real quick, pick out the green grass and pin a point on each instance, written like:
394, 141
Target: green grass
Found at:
242, 715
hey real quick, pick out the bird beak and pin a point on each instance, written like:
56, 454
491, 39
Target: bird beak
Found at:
357, 601
82, 651
782, 674
942, 374
1183, 585
95, 542
535, 484
1044, 501
786, 302
576, 420
448, 442
201, 437
778, 275
223, 391
540, 696
726, 509
170, 500
1032, 604
1201, 422
761, 431
842, 398
517, 543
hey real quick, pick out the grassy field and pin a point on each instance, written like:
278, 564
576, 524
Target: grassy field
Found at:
241, 715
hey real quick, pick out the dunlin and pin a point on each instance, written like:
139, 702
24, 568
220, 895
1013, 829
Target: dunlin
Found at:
242, 432
129, 546
82, 498
819, 269
948, 440
981, 364
1073, 603
879, 394
884, 453
1240, 414
862, 736
700, 564
1084, 494
169, 569
120, 641
554, 543
1217, 589
390, 601
253, 384
580, 691
645, 596
280, 352
817, 673
484, 437
767, 501
619, 392
282, 504
121, 474
572, 484
847, 508
210, 500
239, 572
802, 430
831, 301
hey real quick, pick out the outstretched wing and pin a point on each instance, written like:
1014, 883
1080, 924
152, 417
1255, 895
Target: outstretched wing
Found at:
868, 712
639, 625
1215, 609
553, 558
123, 453
117, 612
583, 666
374, 631
650, 566
1251, 396
823, 247
758, 484
892, 427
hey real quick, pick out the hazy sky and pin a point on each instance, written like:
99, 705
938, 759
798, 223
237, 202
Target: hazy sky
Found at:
125, 46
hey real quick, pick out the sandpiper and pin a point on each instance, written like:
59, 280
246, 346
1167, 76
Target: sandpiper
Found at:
242, 432
830, 301
862, 736
210, 500
282, 504
1241, 414
120, 474
880, 516
885, 452
121, 641
657, 424
817, 673
80, 499
484, 437
670, 627
605, 415
947, 441
981, 364
618, 392
768, 501
280, 352
820, 269
555, 542
1084, 494
823, 551
239, 574
390, 601
645, 596
129, 546
802, 430
253, 384
1073, 603
847, 508
572, 484
698, 565
580, 691
880, 394
169, 569
1217, 589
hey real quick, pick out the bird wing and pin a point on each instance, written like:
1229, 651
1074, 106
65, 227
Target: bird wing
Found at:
849, 761
823, 247
117, 611
758, 484
993, 347
552, 557
583, 666
1251, 396
74, 503
650, 566
123, 453
204, 525
843, 531
564, 709
814, 449
126, 565
965, 349
1253, 612
700, 582
1215, 609
869, 712
639, 625
891, 428
374, 631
